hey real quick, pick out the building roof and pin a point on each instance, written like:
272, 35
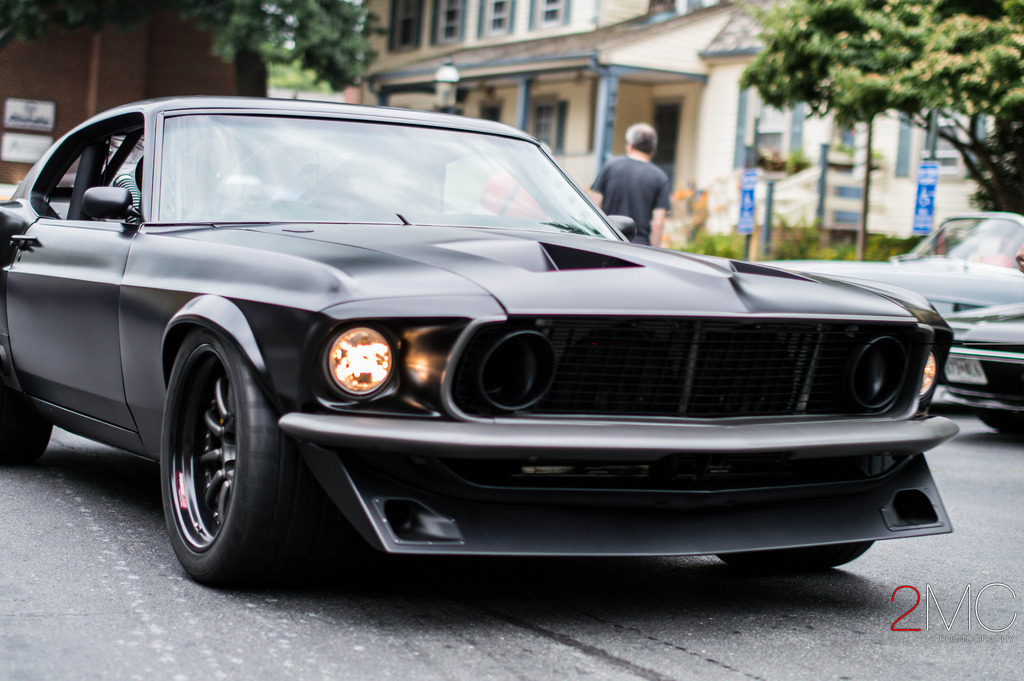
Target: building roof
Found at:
741, 36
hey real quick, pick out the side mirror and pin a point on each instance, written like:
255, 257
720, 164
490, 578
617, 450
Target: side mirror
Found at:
624, 224
104, 203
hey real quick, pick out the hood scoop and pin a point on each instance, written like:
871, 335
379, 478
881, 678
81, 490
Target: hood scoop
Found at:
565, 258
535, 256
744, 267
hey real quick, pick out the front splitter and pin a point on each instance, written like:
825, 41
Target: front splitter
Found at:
474, 528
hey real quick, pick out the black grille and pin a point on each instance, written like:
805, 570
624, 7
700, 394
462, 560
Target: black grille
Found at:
685, 367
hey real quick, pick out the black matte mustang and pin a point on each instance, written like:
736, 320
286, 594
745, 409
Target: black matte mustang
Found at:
419, 321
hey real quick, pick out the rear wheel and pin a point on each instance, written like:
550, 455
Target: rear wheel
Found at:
804, 559
1003, 421
23, 433
241, 506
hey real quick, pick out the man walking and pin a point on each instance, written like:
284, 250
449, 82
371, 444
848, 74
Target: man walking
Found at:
631, 185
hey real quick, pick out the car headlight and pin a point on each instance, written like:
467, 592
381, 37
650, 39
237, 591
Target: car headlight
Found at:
931, 368
359, 361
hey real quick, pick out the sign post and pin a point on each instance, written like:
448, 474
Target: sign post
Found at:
924, 206
748, 185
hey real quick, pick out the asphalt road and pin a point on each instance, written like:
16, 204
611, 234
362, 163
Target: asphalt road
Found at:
90, 589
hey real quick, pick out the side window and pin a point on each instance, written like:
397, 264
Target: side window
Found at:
550, 13
405, 24
496, 18
949, 159
60, 198
126, 171
111, 161
549, 120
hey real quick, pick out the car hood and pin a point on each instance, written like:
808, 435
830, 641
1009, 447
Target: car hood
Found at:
1002, 324
907, 265
951, 285
531, 272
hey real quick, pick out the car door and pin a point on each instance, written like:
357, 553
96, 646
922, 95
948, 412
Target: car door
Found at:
63, 290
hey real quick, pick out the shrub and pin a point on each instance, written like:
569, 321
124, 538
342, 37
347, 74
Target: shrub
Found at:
883, 247
721, 245
803, 242
797, 161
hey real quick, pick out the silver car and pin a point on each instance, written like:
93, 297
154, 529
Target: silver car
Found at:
967, 263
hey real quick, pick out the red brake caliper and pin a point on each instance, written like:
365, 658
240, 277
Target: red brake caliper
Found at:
182, 496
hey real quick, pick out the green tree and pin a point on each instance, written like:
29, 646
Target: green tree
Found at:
857, 59
32, 19
328, 37
971, 69
835, 56
292, 76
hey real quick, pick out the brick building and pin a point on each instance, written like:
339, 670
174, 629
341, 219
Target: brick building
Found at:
67, 77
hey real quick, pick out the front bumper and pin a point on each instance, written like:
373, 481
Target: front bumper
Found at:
606, 440
981, 400
1003, 389
404, 514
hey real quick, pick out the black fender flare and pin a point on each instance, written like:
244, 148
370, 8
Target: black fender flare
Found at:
223, 317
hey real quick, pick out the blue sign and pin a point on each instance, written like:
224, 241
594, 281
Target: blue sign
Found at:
924, 206
747, 188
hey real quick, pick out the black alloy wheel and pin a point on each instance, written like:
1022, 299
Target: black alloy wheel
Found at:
240, 504
203, 465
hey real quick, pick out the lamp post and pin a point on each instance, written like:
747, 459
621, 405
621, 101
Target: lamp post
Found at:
446, 83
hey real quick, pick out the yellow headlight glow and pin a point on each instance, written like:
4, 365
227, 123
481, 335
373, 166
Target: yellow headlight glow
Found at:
931, 368
359, 361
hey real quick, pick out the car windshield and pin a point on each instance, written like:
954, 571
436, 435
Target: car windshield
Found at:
251, 168
989, 240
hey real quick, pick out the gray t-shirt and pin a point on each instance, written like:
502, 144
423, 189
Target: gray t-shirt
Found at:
634, 188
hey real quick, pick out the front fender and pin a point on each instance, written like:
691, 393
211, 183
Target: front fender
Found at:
224, 318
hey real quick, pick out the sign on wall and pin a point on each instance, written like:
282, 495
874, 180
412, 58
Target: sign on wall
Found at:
17, 147
29, 114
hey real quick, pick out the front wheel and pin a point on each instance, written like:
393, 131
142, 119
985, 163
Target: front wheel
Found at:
1011, 422
240, 505
804, 559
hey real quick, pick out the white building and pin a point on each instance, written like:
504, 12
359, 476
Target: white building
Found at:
577, 73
